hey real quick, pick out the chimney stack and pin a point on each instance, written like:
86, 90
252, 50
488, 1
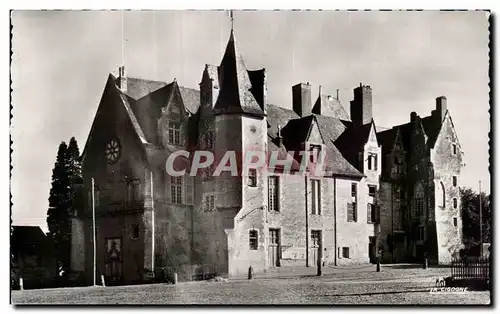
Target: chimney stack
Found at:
441, 107
361, 105
122, 79
301, 99
413, 116
338, 94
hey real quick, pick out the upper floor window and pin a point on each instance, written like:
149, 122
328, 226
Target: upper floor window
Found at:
441, 195
372, 161
209, 140
273, 194
176, 189
455, 181
207, 172
252, 177
455, 221
455, 203
371, 214
316, 197
174, 133
134, 191
352, 212
315, 151
419, 200
454, 148
354, 189
372, 190
209, 202
253, 236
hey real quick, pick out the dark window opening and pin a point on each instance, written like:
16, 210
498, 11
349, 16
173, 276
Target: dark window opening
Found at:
273, 202
252, 177
345, 252
135, 231
254, 239
372, 190
354, 189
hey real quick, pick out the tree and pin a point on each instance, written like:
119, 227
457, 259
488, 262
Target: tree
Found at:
64, 199
470, 217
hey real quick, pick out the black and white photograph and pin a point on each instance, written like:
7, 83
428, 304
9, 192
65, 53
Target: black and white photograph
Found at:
250, 157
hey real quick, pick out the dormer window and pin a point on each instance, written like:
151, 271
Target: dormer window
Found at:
174, 133
315, 151
372, 161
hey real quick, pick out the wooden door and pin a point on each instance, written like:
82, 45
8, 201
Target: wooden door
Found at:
315, 247
274, 248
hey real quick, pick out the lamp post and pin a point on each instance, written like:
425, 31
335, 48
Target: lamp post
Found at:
93, 231
480, 222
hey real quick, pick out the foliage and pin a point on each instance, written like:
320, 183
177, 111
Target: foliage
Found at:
64, 200
470, 217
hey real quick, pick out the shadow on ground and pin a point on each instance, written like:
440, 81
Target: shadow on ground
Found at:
376, 293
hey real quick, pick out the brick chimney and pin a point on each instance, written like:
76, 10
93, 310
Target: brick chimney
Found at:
413, 116
441, 107
361, 105
122, 79
301, 99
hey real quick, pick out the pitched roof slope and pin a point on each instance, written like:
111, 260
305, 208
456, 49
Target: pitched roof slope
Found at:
329, 106
138, 88
235, 95
278, 116
387, 139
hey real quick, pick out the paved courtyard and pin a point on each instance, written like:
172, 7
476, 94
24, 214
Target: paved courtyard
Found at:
349, 285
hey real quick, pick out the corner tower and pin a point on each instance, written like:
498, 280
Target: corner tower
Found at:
240, 128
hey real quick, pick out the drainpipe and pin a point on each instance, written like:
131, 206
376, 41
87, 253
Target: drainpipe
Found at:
335, 219
307, 221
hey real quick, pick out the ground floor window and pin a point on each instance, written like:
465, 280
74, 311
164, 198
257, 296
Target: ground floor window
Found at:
345, 252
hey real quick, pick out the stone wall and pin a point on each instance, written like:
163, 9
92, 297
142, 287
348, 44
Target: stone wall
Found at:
446, 165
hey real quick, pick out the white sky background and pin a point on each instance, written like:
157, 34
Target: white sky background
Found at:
61, 61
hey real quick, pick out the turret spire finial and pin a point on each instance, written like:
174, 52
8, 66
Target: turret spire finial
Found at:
232, 19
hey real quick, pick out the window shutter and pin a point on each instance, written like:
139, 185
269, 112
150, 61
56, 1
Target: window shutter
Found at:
188, 193
168, 192
349, 212
355, 211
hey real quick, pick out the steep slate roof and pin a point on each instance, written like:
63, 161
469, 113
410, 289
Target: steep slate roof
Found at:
138, 88
295, 130
277, 115
387, 139
432, 128
235, 95
351, 142
329, 106
190, 98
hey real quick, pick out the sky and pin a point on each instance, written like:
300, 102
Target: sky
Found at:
62, 59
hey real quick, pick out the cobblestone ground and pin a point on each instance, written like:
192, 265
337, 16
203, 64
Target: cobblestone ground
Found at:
361, 285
